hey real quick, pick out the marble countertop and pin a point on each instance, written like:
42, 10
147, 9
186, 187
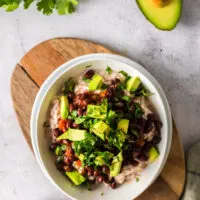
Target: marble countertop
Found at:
172, 57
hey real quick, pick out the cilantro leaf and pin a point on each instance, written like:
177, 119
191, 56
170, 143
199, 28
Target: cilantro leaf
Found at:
126, 98
46, 6
109, 70
86, 145
66, 6
27, 3
80, 120
10, 5
117, 138
138, 110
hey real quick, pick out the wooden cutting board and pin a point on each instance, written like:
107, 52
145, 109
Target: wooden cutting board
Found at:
35, 67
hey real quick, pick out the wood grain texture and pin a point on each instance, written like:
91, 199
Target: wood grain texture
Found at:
43, 59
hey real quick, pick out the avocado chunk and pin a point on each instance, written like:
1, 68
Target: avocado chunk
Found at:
116, 165
64, 107
133, 84
123, 125
163, 14
101, 129
96, 82
73, 135
75, 177
97, 112
153, 154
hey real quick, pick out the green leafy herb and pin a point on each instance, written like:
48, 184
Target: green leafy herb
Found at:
86, 80
58, 151
88, 66
117, 138
102, 193
109, 70
69, 86
142, 91
80, 120
138, 110
110, 117
126, 98
86, 145
104, 86
137, 179
59, 159
45, 6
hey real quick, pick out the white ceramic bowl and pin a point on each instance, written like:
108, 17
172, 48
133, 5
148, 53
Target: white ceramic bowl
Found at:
40, 143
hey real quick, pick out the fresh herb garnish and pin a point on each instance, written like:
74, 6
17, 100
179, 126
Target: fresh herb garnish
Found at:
69, 86
137, 179
109, 70
116, 138
138, 110
126, 98
45, 6
86, 80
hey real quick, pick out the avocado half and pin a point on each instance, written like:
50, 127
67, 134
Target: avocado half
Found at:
163, 14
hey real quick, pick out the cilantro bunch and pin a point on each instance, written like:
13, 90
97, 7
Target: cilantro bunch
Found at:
45, 6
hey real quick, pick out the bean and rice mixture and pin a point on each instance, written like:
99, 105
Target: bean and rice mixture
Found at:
103, 128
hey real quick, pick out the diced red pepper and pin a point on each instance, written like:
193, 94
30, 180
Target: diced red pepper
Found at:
62, 125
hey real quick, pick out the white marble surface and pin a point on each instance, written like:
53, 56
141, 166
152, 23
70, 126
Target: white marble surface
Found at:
172, 57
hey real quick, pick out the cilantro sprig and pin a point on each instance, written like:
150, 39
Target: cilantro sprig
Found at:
47, 7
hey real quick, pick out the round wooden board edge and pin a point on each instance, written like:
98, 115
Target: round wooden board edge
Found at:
93, 43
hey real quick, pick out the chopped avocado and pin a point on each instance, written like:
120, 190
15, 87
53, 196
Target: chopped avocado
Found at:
97, 112
123, 125
163, 14
153, 154
101, 129
73, 135
95, 83
64, 107
116, 165
133, 84
76, 177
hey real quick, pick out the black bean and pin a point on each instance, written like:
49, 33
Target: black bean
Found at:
52, 147
158, 124
89, 74
106, 169
142, 157
74, 125
90, 171
134, 163
67, 160
96, 172
119, 104
156, 139
71, 108
113, 185
59, 166
100, 179
80, 112
56, 132
70, 96
67, 168
67, 142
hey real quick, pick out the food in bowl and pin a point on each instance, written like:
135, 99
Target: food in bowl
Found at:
104, 128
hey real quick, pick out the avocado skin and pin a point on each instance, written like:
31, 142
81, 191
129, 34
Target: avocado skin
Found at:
167, 29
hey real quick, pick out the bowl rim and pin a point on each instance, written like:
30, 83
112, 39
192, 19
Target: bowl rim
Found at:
56, 74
